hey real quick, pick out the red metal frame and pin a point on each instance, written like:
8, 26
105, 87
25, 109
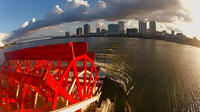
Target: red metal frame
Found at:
64, 71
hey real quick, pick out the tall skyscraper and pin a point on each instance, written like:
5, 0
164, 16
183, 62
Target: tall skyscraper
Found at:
79, 32
67, 34
103, 32
152, 26
142, 27
98, 30
86, 29
121, 27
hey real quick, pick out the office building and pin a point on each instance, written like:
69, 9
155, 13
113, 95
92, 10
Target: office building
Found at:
142, 27
152, 25
86, 29
103, 32
79, 32
131, 32
113, 29
67, 34
98, 31
121, 27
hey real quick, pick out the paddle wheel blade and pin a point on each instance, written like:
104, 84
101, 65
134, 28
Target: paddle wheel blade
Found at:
47, 78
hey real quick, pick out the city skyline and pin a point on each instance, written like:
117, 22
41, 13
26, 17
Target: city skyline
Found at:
145, 29
24, 21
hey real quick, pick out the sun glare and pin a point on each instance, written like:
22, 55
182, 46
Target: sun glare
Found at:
191, 28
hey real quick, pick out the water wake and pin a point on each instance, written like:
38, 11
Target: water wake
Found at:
115, 66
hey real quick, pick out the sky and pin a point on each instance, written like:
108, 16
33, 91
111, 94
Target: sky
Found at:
20, 19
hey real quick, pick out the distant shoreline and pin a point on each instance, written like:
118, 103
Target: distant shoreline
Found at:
186, 41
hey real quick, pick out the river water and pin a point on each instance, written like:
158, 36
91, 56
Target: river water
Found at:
165, 75
158, 76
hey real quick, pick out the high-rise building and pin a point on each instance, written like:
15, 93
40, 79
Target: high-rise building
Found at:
79, 32
152, 25
86, 29
103, 32
142, 27
67, 34
113, 29
121, 27
98, 31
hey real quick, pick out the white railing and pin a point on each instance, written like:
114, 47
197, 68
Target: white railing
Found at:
78, 106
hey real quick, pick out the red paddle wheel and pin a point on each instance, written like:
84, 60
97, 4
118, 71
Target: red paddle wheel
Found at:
49, 77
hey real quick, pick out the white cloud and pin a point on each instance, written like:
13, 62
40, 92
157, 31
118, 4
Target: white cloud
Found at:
33, 20
2, 36
56, 11
25, 24
100, 25
129, 24
71, 4
101, 4
60, 31
166, 11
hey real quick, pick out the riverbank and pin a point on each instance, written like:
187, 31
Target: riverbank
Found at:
184, 40
187, 41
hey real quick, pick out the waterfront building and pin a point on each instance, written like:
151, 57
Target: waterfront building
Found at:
113, 29
67, 34
121, 27
152, 25
159, 33
98, 31
180, 35
148, 32
103, 32
142, 27
79, 32
131, 32
116, 29
86, 29
164, 32
93, 34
